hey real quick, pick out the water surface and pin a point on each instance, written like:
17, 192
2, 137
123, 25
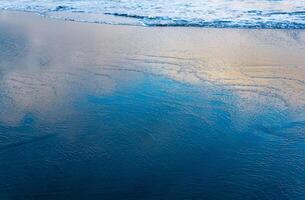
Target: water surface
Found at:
121, 112
283, 14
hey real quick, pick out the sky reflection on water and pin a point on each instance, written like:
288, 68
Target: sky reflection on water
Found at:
135, 113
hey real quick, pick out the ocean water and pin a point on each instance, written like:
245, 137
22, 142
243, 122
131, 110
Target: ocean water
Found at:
283, 14
151, 113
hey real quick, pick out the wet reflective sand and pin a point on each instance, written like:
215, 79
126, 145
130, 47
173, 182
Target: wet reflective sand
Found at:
118, 112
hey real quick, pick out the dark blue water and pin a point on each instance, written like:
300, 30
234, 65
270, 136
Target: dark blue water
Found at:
86, 122
155, 139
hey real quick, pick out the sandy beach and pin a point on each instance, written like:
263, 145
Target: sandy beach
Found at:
131, 103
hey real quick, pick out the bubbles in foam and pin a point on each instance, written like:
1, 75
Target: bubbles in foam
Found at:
202, 13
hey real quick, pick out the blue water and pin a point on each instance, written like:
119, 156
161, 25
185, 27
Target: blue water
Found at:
111, 112
283, 14
143, 142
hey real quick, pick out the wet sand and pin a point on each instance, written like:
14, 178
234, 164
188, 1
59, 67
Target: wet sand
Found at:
90, 111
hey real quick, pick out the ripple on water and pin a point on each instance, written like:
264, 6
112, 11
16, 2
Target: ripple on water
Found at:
217, 115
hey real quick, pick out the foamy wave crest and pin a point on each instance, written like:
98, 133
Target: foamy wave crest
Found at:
167, 21
279, 14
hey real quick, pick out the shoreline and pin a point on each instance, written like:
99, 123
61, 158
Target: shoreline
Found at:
216, 45
145, 26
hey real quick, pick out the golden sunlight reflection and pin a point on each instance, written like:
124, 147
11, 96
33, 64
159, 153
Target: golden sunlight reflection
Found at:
56, 67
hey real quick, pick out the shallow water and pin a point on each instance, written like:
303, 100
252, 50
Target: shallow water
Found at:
203, 13
136, 113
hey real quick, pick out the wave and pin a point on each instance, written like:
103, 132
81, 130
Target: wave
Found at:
62, 8
265, 14
167, 21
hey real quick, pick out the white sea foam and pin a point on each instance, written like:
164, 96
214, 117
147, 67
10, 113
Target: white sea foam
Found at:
205, 13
